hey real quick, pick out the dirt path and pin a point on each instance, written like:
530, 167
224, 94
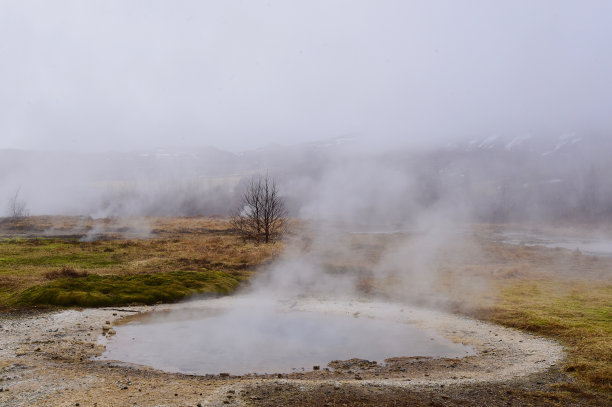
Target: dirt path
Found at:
47, 358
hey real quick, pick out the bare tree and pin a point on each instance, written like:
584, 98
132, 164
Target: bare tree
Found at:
17, 207
262, 215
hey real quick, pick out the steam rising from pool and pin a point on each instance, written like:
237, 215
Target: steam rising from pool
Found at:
267, 338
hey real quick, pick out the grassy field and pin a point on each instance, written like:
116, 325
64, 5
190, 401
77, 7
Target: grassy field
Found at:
179, 257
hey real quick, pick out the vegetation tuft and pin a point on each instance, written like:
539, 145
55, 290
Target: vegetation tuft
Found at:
114, 290
65, 272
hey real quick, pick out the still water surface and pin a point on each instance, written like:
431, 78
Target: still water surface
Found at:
248, 340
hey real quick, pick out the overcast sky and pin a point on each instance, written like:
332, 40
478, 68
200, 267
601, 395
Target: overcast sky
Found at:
121, 75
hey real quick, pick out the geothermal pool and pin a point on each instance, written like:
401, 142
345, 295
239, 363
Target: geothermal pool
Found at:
252, 339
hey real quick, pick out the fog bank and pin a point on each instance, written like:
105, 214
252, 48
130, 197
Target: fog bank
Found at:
496, 179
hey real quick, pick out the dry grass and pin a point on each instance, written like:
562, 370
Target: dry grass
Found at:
65, 272
174, 244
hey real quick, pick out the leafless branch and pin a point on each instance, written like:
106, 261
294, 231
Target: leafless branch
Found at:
17, 207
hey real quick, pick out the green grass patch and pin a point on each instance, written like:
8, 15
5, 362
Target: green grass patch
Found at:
78, 259
114, 290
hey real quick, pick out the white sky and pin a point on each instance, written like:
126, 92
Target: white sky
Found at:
121, 75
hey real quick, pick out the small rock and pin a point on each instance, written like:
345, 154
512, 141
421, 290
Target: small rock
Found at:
231, 391
224, 374
316, 367
107, 322
175, 394
199, 405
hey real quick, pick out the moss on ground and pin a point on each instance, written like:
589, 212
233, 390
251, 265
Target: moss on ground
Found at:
114, 290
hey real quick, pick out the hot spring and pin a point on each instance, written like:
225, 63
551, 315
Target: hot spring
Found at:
241, 337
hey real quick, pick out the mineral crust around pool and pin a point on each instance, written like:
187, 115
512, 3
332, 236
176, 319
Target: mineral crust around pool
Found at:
447, 337
50, 358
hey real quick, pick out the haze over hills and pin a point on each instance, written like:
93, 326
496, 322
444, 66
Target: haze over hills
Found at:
489, 178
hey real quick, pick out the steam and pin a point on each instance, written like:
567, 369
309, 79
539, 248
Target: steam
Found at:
421, 202
128, 228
